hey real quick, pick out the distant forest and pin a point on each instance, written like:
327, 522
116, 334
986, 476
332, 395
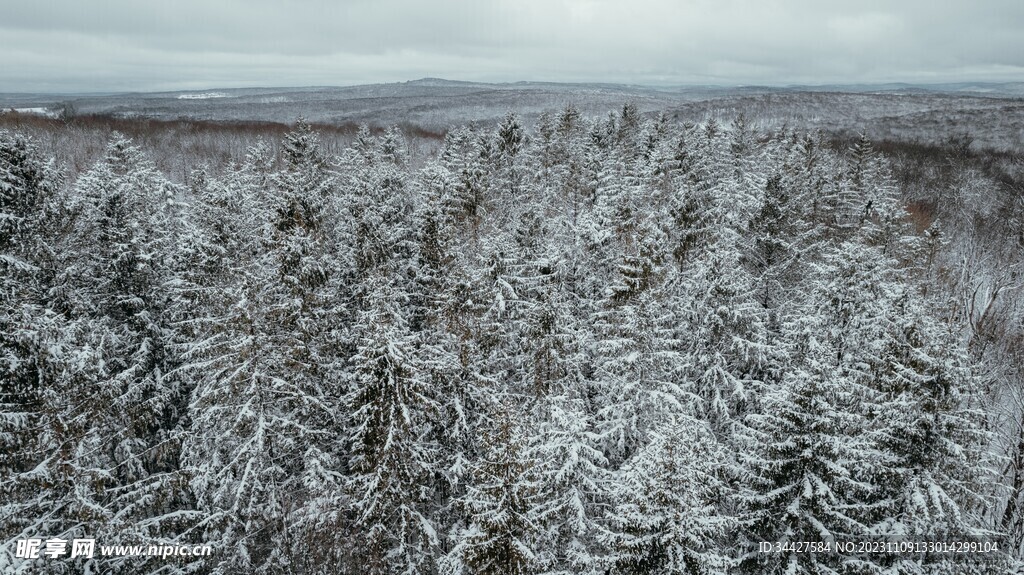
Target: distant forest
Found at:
608, 345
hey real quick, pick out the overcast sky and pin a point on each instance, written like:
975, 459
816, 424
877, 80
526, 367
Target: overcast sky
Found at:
136, 45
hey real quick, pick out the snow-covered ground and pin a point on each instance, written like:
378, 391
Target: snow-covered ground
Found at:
202, 96
38, 111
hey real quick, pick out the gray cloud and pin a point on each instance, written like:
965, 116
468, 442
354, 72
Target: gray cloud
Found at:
113, 45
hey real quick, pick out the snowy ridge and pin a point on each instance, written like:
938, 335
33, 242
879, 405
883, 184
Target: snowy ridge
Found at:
202, 96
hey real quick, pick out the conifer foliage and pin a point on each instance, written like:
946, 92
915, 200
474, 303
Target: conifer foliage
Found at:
617, 345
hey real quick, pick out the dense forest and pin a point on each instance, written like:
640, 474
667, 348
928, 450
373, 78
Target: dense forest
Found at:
603, 345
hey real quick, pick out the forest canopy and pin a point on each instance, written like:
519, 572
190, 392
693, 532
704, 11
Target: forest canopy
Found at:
620, 344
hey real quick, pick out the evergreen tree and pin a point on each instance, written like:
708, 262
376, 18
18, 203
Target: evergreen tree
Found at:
393, 458
573, 486
810, 461
500, 536
668, 518
269, 364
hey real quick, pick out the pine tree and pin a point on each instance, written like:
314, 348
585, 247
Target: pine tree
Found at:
500, 537
34, 357
111, 455
637, 375
510, 142
573, 486
270, 362
128, 228
809, 462
393, 459
668, 518
931, 434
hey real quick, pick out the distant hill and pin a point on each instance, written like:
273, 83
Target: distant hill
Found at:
991, 111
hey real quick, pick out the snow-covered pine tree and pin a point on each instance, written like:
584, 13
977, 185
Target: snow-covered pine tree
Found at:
119, 460
34, 363
27, 185
637, 364
115, 398
270, 486
468, 156
668, 517
809, 462
499, 537
510, 141
723, 335
772, 252
379, 211
393, 458
934, 438
923, 416
573, 487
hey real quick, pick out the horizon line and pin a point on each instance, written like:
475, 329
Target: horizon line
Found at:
653, 86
